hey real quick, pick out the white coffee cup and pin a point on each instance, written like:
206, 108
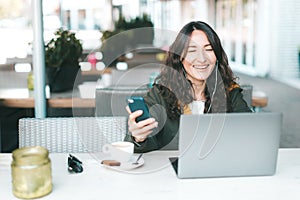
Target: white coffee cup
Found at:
120, 151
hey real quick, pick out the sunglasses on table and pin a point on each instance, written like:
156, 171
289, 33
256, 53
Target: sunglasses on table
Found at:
74, 164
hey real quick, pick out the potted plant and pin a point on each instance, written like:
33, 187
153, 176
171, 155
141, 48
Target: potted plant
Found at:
127, 35
62, 56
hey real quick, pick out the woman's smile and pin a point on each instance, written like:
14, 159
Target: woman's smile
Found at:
200, 58
201, 67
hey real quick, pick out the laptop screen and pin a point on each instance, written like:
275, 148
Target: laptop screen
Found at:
235, 144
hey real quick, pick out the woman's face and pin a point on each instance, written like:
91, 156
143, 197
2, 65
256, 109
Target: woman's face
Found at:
200, 58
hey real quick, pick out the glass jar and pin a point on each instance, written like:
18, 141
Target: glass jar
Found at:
30, 81
31, 172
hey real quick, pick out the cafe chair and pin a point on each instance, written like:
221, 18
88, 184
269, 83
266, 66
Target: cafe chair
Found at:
139, 75
111, 101
71, 134
247, 94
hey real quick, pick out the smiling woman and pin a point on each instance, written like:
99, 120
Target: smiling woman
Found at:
195, 79
199, 62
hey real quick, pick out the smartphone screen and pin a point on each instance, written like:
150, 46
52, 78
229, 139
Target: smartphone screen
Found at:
137, 103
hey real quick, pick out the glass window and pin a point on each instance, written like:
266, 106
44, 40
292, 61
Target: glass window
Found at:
15, 33
235, 23
81, 19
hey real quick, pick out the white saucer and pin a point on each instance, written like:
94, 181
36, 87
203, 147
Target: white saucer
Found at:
126, 166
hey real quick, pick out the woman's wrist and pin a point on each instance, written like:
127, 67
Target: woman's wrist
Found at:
136, 142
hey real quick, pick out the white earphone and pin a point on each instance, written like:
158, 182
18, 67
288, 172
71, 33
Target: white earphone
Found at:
215, 88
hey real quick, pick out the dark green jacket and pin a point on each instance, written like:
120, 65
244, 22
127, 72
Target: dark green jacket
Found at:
165, 136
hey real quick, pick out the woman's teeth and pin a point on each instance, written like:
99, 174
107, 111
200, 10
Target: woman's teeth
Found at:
200, 67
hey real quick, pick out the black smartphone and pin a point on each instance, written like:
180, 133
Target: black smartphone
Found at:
137, 103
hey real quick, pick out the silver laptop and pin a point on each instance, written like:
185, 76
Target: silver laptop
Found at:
226, 145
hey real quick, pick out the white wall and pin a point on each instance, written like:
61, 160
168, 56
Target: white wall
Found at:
285, 39
265, 28
89, 6
193, 11
276, 35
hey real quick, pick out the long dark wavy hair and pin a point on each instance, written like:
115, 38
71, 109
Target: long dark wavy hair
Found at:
177, 90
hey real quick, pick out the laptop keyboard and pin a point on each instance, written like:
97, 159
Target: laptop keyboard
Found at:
174, 162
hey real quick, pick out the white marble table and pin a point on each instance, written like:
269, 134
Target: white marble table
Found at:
156, 179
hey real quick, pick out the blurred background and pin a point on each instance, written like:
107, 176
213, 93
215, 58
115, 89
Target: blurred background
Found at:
260, 37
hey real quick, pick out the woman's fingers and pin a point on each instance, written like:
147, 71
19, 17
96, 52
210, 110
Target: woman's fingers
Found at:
141, 133
128, 110
134, 115
143, 125
140, 130
145, 122
142, 137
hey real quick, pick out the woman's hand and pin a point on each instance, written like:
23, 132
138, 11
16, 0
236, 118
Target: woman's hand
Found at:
140, 130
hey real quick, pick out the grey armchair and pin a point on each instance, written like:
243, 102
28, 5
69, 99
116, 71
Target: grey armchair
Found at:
136, 76
111, 101
71, 134
247, 94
